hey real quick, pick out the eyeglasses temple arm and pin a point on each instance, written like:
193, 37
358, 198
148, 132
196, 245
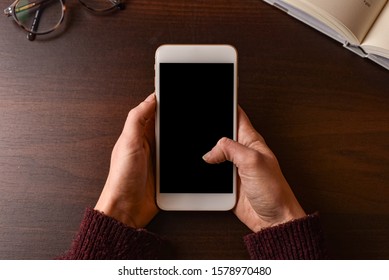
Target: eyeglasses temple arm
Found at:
35, 23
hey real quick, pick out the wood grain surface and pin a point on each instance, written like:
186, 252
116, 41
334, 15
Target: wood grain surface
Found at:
64, 98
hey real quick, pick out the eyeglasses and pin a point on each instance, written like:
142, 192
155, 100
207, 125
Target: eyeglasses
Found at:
39, 17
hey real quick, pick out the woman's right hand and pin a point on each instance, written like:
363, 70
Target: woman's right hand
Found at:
265, 198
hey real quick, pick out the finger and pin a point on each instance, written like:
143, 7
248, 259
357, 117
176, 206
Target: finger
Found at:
246, 132
150, 133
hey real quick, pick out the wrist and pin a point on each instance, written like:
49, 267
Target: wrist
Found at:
112, 210
291, 214
280, 216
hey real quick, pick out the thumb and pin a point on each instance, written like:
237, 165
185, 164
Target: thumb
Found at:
138, 117
227, 149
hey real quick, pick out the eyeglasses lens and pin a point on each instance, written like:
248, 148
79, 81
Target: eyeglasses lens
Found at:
39, 16
101, 5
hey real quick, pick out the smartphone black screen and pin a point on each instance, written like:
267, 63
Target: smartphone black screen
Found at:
196, 110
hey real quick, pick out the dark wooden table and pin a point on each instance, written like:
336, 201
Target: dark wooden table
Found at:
64, 98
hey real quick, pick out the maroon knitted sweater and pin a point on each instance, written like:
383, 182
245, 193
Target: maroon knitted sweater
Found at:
102, 237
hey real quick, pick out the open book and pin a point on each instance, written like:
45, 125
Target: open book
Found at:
362, 26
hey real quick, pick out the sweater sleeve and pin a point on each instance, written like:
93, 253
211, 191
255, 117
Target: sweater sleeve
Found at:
297, 239
102, 237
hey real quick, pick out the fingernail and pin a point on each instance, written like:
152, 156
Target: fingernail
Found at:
150, 97
206, 156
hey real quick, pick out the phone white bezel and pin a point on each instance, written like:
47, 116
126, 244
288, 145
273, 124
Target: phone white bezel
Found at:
195, 54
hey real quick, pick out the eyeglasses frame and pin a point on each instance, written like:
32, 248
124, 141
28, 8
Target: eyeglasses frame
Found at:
32, 32
11, 11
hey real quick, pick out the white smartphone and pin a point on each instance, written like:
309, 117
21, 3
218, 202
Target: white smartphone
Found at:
196, 90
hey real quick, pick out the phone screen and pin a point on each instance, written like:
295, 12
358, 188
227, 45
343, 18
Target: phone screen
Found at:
196, 110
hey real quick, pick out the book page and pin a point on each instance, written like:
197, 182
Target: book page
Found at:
353, 18
377, 41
